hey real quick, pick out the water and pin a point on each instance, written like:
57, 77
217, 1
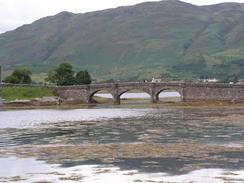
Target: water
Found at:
140, 95
122, 144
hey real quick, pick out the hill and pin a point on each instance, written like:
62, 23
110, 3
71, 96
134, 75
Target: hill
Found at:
169, 38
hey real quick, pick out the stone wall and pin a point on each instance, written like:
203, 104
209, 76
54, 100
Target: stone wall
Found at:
216, 92
74, 93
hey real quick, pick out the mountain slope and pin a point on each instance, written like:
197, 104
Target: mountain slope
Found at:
168, 38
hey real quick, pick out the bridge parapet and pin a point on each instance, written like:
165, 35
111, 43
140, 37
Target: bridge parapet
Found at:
214, 85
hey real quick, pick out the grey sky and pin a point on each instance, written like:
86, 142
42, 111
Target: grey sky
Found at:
14, 13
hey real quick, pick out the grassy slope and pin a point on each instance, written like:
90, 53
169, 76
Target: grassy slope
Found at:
24, 93
134, 42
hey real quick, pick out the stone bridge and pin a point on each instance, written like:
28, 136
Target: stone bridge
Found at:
188, 91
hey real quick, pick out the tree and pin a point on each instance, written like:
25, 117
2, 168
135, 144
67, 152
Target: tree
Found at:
19, 76
50, 77
235, 79
229, 78
62, 75
83, 77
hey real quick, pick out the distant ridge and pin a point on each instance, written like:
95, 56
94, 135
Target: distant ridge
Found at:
167, 38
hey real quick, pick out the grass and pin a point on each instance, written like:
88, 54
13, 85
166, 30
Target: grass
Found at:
14, 93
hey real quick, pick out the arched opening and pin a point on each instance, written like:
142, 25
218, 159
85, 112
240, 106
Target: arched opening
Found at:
101, 96
169, 95
135, 97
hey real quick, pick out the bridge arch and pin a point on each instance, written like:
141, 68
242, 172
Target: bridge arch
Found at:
173, 94
108, 95
135, 93
134, 89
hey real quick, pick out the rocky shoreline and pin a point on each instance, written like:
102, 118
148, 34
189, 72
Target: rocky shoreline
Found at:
44, 101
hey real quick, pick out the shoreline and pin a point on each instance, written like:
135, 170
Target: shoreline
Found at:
75, 105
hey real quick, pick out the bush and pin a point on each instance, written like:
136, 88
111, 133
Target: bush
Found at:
83, 77
19, 76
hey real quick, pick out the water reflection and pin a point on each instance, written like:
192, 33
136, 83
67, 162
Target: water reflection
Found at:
175, 141
38, 171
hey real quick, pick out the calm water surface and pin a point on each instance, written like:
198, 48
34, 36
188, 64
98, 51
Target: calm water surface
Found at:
129, 145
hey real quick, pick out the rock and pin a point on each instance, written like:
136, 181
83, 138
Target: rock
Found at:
72, 101
18, 102
46, 101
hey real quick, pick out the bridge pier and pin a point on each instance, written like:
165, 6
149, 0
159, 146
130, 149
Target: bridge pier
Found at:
153, 94
154, 99
116, 100
116, 95
88, 99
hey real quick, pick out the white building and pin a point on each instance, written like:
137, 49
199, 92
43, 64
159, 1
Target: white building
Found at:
154, 80
241, 82
209, 80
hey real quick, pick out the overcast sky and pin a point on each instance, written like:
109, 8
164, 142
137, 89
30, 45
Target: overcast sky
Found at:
14, 13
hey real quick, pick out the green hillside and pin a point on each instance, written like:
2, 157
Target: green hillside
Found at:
167, 38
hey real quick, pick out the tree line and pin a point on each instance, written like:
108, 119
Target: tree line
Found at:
61, 75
